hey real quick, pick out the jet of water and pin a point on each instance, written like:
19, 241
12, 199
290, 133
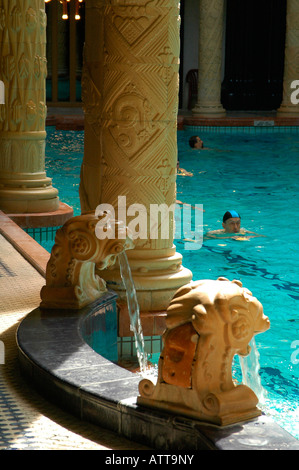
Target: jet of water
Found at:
250, 367
133, 307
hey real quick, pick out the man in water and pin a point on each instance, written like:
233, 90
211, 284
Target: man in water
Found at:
195, 142
231, 224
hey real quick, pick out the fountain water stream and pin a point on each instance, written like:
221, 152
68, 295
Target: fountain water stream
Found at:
133, 307
250, 367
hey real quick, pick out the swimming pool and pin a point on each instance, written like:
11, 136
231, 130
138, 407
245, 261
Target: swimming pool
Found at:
255, 172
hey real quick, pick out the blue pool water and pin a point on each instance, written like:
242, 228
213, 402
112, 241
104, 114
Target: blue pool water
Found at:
64, 154
257, 174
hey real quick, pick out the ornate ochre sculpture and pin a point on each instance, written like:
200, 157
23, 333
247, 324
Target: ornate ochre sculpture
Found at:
208, 322
78, 254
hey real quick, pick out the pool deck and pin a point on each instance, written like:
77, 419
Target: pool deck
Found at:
28, 420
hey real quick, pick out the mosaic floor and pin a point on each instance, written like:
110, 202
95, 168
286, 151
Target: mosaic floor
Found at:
27, 421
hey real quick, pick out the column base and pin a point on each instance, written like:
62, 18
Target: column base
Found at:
156, 278
54, 218
288, 111
209, 111
34, 196
153, 323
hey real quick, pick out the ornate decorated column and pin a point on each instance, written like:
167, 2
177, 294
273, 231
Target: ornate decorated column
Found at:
130, 93
24, 186
210, 59
291, 62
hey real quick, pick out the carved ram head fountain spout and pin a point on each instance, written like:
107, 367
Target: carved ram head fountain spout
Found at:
72, 279
208, 322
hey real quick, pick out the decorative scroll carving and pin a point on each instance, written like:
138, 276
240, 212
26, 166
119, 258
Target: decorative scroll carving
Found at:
71, 279
208, 322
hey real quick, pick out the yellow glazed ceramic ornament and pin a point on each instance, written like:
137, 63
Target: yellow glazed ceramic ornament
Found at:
208, 322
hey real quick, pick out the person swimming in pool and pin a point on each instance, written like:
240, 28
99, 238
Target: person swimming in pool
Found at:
182, 171
231, 223
195, 142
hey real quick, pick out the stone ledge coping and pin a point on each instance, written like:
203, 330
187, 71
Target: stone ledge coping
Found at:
76, 121
32, 251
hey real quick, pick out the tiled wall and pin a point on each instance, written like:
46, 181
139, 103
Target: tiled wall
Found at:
42, 234
256, 129
127, 348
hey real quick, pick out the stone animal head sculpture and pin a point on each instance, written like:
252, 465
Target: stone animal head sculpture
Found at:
208, 322
76, 257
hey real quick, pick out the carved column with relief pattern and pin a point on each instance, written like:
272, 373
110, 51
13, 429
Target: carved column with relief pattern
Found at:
130, 94
210, 59
24, 186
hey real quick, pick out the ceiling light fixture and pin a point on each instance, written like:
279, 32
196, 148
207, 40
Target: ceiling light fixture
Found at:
65, 13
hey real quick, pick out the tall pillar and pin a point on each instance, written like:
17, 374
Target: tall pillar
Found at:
291, 62
210, 59
130, 94
24, 186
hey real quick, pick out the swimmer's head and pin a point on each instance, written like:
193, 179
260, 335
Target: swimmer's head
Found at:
231, 222
195, 142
